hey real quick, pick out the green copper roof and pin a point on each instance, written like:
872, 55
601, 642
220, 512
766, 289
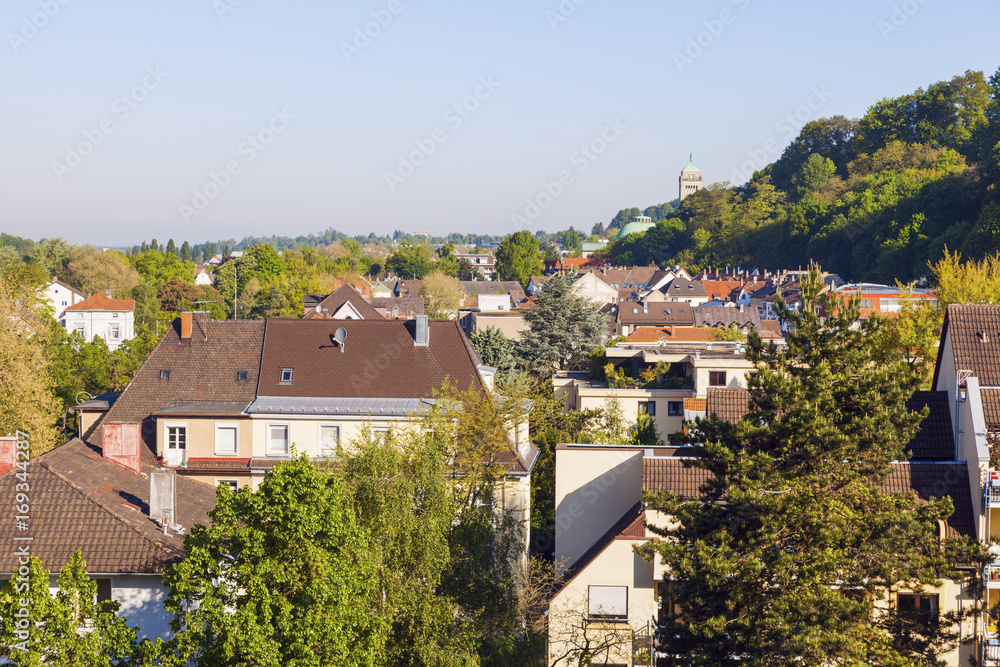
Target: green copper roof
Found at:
691, 167
634, 228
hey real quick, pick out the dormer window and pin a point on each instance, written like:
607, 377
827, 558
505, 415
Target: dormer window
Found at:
241, 376
164, 374
286, 376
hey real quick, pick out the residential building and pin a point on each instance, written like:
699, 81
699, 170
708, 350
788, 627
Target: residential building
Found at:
882, 299
344, 303
202, 278
483, 262
100, 316
59, 296
83, 499
588, 248
574, 264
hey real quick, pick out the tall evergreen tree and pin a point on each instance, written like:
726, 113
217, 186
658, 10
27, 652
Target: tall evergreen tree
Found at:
171, 248
186, 251
790, 552
564, 327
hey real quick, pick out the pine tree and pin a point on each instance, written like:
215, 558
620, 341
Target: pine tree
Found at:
171, 248
186, 251
564, 327
790, 552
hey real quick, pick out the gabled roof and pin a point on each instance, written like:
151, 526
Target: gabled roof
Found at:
406, 306
327, 306
975, 341
712, 316
103, 302
511, 287
379, 359
56, 281
203, 368
80, 500
656, 313
682, 288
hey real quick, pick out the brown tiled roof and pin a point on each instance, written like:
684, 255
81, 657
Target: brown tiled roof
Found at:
696, 404
202, 369
103, 302
379, 359
935, 441
727, 404
681, 288
658, 313
937, 480
332, 302
712, 316
409, 306
511, 287
991, 408
80, 500
671, 475
925, 479
975, 340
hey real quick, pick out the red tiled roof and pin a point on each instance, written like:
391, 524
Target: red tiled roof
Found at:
103, 302
661, 334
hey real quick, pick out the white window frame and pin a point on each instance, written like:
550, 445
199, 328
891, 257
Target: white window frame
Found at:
227, 425
281, 378
616, 612
234, 484
114, 332
178, 457
386, 432
288, 437
320, 451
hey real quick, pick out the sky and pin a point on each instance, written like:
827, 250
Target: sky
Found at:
204, 120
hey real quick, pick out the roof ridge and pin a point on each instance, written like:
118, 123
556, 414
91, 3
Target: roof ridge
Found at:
173, 551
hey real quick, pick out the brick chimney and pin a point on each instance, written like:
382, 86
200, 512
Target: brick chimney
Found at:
8, 453
187, 320
121, 443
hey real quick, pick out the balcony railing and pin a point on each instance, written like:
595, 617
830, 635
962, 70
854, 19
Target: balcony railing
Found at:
992, 651
991, 574
992, 493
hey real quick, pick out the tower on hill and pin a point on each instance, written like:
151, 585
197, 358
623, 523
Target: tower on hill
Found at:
690, 180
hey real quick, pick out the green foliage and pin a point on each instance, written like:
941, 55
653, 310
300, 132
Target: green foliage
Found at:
565, 328
56, 636
410, 261
518, 258
158, 268
805, 506
645, 433
284, 575
496, 350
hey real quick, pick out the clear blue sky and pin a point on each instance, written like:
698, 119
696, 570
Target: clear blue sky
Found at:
329, 125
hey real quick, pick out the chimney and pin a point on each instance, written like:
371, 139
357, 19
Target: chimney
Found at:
121, 443
163, 497
421, 332
8, 454
187, 320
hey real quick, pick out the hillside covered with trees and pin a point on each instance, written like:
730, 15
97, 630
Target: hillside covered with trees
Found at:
874, 199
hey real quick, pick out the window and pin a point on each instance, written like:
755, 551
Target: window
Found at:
647, 407
114, 315
177, 437
329, 436
79, 330
866, 304
103, 589
911, 603
115, 332
233, 484
286, 376
241, 376
384, 432
717, 378
277, 440
164, 374
608, 602
226, 439
675, 408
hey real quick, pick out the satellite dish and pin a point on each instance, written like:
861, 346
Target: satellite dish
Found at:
319, 309
340, 337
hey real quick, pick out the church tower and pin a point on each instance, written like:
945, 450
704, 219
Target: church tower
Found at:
690, 180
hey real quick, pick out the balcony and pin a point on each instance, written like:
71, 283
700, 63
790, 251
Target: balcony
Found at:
991, 574
991, 652
991, 492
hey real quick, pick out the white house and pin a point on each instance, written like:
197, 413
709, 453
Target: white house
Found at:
202, 278
112, 320
59, 296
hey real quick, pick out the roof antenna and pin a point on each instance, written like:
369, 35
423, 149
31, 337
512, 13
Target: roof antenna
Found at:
340, 336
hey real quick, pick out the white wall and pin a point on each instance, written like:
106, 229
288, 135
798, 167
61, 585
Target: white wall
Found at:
100, 323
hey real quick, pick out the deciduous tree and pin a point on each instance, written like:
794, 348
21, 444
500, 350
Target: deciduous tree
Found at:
518, 258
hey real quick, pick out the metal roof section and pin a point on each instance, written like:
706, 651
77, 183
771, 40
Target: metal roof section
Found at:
216, 408
363, 407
